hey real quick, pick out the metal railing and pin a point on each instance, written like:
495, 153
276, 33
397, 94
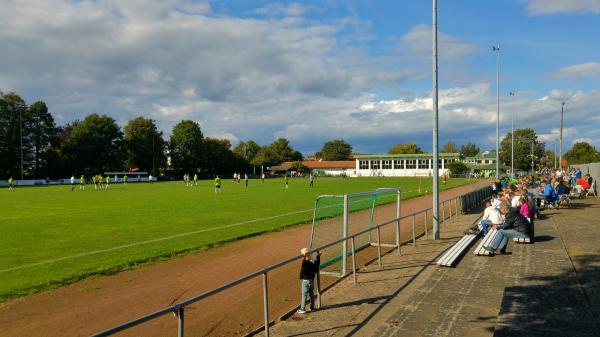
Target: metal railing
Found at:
461, 203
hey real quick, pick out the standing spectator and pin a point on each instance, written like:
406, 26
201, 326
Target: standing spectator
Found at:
308, 270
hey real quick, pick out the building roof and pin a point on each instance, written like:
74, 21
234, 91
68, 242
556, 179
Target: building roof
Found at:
342, 164
407, 155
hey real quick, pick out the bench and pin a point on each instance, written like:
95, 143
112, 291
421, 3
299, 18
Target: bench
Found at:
456, 251
521, 240
485, 242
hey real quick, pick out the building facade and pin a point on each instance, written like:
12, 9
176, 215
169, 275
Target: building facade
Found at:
402, 165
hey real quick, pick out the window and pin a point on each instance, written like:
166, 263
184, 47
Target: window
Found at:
423, 163
375, 164
363, 164
398, 164
386, 164
440, 163
411, 164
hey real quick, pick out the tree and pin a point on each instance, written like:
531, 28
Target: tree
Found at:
336, 149
43, 131
14, 126
94, 145
457, 168
247, 150
524, 138
144, 145
469, 150
277, 152
449, 147
405, 148
186, 147
582, 153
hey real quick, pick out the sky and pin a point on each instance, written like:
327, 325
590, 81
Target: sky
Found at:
311, 71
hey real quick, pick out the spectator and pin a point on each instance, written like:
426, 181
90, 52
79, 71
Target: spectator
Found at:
549, 192
515, 226
491, 216
307, 276
514, 201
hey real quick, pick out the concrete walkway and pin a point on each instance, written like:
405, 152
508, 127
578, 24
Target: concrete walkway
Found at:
550, 288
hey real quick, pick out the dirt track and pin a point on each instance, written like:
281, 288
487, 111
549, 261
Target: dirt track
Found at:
96, 304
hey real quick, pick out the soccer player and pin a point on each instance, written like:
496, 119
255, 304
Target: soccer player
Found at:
108, 182
312, 180
72, 182
246, 179
10, 184
217, 185
262, 176
100, 181
195, 179
150, 179
125, 178
82, 183
286, 181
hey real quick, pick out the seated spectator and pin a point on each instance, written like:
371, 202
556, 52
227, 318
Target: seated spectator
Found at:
515, 226
491, 216
561, 188
590, 180
514, 201
549, 192
583, 182
524, 208
496, 201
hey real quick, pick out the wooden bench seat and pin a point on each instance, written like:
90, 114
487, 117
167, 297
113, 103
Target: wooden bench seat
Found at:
485, 242
452, 255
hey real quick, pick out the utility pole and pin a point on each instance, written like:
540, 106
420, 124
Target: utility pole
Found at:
496, 48
436, 192
512, 141
532, 154
562, 110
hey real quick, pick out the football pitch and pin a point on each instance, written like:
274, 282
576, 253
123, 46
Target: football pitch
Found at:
51, 236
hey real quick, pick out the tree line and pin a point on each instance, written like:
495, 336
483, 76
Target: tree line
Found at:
97, 144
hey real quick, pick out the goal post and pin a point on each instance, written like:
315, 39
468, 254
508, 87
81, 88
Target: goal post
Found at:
338, 216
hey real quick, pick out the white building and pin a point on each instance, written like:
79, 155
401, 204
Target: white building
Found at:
402, 165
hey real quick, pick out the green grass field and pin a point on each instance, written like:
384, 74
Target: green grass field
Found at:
52, 236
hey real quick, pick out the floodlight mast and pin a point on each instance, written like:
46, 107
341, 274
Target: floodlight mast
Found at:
496, 48
434, 166
512, 141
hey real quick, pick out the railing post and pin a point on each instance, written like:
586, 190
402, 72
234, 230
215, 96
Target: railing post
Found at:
450, 209
180, 321
414, 235
266, 303
345, 235
398, 198
443, 213
318, 287
379, 245
353, 261
426, 227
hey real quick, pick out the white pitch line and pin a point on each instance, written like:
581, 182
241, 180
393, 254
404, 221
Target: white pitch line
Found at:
148, 241
152, 241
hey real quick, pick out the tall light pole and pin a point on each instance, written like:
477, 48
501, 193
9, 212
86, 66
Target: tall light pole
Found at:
21, 140
562, 110
512, 141
555, 154
496, 48
436, 230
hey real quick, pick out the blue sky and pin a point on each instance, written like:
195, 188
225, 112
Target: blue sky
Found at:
310, 71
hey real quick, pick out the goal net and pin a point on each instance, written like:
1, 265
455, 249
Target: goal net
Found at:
339, 216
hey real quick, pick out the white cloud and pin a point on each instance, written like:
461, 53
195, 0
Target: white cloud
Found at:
417, 44
275, 9
579, 71
541, 7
